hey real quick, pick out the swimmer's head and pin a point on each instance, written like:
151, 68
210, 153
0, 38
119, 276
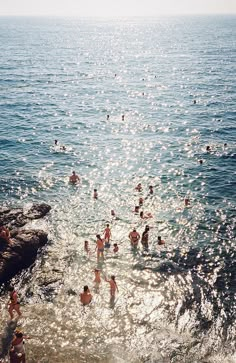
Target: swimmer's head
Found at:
98, 236
85, 242
55, 141
141, 214
107, 225
159, 238
112, 212
73, 172
115, 245
136, 208
113, 277
86, 288
11, 288
95, 190
150, 187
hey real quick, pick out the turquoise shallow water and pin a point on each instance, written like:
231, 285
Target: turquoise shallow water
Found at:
59, 79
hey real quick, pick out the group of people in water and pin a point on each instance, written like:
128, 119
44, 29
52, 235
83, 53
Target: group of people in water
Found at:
103, 243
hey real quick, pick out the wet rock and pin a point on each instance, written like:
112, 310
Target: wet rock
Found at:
15, 217
21, 253
38, 211
6, 338
71, 292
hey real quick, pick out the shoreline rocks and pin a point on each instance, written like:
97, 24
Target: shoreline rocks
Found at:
22, 251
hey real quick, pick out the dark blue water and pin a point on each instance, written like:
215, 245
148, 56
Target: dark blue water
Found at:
59, 79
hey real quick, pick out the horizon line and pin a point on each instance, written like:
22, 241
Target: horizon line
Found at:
115, 16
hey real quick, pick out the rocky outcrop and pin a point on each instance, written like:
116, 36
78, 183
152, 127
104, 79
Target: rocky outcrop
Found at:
22, 251
16, 217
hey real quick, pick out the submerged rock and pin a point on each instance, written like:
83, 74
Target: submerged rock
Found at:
22, 251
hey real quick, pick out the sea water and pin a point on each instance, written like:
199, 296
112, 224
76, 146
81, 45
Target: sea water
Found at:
173, 79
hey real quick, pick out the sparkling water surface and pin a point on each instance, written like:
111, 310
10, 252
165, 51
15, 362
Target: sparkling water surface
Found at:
59, 79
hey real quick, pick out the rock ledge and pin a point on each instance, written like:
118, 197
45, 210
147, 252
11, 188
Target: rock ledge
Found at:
24, 243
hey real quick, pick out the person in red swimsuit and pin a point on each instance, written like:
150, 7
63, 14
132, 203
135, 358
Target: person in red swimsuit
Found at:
13, 303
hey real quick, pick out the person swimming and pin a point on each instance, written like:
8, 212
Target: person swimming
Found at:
151, 189
139, 187
136, 209
186, 202
85, 296
115, 248
145, 216
140, 201
95, 194
74, 178
160, 241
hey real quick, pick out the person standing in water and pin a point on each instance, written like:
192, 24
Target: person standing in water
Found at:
17, 351
97, 279
134, 237
99, 247
107, 233
113, 286
86, 297
13, 303
95, 194
74, 178
86, 247
144, 239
